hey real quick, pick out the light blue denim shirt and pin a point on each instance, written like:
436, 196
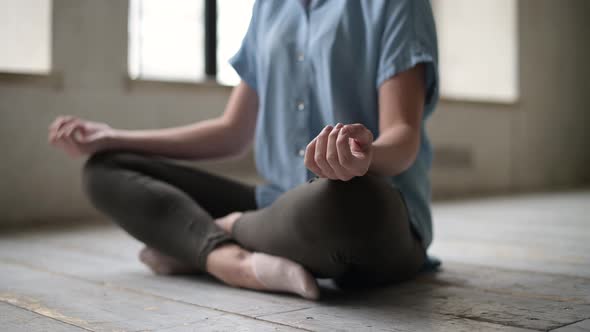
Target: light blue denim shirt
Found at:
323, 64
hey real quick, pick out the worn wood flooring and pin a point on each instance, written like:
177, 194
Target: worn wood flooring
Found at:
515, 263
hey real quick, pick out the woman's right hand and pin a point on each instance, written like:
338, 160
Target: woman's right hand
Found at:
79, 137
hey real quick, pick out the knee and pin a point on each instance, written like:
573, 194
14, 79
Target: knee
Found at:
96, 163
110, 159
363, 198
104, 159
349, 211
95, 174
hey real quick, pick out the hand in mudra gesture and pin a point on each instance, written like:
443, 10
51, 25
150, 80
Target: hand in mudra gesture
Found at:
78, 137
341, 152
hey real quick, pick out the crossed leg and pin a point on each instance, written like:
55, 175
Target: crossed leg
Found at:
356, 232
171, 208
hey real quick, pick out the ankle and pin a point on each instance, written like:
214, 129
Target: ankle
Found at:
227, 223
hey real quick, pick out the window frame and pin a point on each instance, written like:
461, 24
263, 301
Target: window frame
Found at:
462, 98
210, 39
211, 66
51, 79
210, 59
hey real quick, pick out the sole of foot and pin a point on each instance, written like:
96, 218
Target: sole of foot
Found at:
163, 264
283, 275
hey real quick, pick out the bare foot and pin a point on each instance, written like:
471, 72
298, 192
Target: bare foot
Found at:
160, 263
240, 268
283, 275
227, 222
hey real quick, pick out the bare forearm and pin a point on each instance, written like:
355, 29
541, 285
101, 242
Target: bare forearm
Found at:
227, 135
395, 150
206, 139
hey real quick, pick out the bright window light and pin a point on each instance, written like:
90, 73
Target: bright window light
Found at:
478, 49
25, 36
232, 23
166, 40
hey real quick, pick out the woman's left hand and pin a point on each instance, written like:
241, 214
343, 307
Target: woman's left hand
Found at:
341, 152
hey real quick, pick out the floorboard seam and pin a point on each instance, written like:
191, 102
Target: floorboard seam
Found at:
568, 324
91, 252
477, 319
506, 269
112, 286
283, 312
506, 292
485, 320
49, 317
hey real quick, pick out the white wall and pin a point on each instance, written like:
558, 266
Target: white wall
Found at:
534, 144
541, 141
38, 183
551, 141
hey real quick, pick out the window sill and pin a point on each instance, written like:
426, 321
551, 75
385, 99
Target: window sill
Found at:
52, 80
508, 104
140, 85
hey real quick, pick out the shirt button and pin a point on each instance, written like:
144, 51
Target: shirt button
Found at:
300, 106
301, 152
300, 57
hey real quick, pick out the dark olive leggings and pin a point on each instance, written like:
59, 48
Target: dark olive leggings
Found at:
356, 232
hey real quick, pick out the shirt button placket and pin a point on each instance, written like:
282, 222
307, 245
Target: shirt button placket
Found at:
301, 107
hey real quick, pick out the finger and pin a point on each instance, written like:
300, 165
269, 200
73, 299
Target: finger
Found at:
309, 159
51, 137
63, 144
359, 133
61, 121
56, 123
53, 127
83, 137
59, 144
320, 153
68, 129
55, 136
332, 155
71, 128
71, 146
58, 129
345, 156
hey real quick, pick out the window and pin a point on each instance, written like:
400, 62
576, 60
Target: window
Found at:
478, 49
232, 24
25, 35
166, 40
192, 40
186, 40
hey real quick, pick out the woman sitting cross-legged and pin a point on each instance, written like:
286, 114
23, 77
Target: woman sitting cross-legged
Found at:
335, 95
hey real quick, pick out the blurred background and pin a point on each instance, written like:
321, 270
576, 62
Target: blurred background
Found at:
513, 115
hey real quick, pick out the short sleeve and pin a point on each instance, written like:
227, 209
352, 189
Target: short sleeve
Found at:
409, 38
244, 61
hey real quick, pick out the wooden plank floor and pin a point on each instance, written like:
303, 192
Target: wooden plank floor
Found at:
517, 263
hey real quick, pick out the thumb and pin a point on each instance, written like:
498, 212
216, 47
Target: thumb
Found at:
359, 133
85, 137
